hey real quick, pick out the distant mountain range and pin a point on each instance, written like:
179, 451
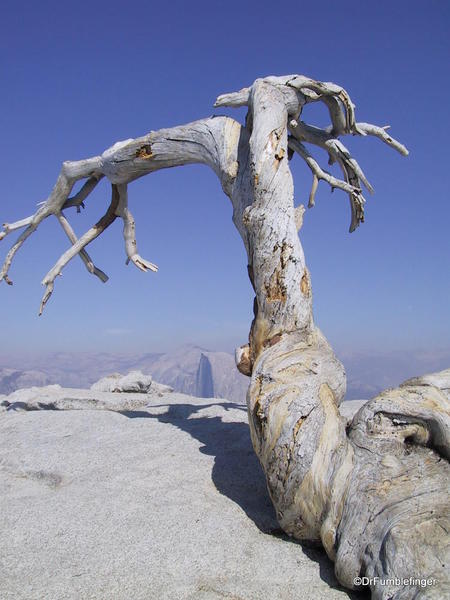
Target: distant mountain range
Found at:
368, 373
14, 379
207, 374
190, 369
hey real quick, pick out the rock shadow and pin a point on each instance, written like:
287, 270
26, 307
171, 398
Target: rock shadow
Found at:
236, 472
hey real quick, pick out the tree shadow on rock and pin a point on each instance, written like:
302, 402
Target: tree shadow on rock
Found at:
236, 472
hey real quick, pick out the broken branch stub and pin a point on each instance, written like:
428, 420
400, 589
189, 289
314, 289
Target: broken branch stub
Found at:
373, 492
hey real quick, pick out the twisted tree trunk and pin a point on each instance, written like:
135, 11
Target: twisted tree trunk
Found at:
375, 493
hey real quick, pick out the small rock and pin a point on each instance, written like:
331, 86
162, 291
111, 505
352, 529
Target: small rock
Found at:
135, 381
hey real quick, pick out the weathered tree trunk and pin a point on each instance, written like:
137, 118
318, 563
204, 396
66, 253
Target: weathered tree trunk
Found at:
375, 493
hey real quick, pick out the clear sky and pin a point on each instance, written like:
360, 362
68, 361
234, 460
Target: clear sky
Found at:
77, 77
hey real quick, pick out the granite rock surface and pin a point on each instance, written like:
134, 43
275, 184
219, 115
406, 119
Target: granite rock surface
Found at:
141, 496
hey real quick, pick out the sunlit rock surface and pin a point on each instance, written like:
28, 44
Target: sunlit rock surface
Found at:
140, 496
133, 382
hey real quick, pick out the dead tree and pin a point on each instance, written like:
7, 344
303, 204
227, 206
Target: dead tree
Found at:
374, 493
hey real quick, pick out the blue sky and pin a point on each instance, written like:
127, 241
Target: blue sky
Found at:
78, 77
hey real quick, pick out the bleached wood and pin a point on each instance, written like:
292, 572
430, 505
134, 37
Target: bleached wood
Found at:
87, 188
83, 254
8, 227
79, 245
318, 171
380, 132
375, 492
129, 232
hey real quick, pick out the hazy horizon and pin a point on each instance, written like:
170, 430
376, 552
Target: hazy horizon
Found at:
368, 372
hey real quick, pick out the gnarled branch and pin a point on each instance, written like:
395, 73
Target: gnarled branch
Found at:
78, 246
83, 254
129, 232
204, 141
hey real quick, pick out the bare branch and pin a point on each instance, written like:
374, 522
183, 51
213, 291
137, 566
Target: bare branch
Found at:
380, 132
363, 129
8, 227
108, 218
323, 89
357, 200
341, 154
308, 90
312, 194
83, 254
338, 153
234, 99
335, 148
317, 170
9, 257
208, 141
129, 232
337, 115
70, 173
78, 199
336, 98
353, 173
